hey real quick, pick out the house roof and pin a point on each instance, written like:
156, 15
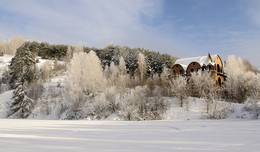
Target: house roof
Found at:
202, 60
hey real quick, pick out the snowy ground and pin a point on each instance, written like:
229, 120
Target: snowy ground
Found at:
157, 136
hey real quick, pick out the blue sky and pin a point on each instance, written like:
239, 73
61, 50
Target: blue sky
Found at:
182, 28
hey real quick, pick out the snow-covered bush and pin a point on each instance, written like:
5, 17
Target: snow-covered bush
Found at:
139, 106
219, 110
253, 106
102, 105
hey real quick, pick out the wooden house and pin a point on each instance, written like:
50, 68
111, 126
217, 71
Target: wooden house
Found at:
214, 64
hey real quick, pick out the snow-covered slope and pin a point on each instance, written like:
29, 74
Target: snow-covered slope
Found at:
52, 100
4, 62
5, 99
144, 136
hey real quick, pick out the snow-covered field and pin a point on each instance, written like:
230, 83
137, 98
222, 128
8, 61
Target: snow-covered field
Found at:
157, 136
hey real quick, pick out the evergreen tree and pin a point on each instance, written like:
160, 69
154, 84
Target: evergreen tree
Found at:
22, 67
22, 73
21, 105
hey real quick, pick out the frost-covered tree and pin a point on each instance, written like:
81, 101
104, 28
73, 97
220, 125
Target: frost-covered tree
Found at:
10, 46
180, 89
123, 78
85, 75
85, 80
122, 66
79, 48
166, 81
69, 55
114, 73
142, 68
202, 85
236, 80
252, 88
46, 70
243, 84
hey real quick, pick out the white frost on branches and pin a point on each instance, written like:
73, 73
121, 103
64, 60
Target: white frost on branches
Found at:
85, 75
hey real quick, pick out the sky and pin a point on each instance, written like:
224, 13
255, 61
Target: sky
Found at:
183, 28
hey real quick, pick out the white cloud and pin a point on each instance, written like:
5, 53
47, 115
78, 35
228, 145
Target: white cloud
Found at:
83, 21
124, 22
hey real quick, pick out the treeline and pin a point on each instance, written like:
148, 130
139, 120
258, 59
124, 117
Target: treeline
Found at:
111, 53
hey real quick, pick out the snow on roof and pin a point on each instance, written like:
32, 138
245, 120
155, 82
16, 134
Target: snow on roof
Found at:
202, 60
214, 57
184, 67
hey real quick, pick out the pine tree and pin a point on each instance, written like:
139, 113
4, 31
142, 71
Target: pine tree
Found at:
22, 67
22, 73
22, 105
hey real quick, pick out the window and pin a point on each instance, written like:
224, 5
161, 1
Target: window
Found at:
203, 68
218, 68
219, 82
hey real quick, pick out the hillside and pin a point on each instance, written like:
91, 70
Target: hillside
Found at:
44, 81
